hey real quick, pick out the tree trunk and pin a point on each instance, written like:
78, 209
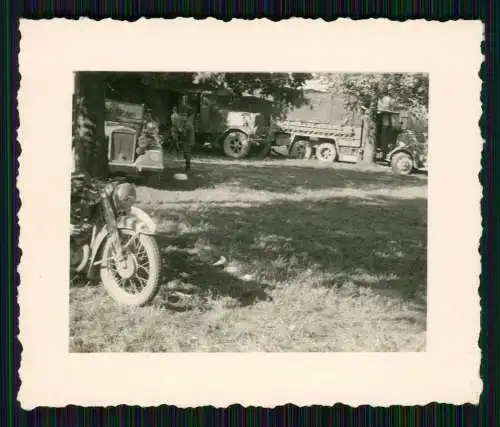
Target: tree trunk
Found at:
89, 142
369, 135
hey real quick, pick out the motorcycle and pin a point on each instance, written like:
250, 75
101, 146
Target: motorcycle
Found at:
119, 246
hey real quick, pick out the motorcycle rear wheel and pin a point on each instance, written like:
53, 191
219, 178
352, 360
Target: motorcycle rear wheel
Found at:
144, 249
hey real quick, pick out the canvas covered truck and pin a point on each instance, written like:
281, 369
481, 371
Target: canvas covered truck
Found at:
236, 126
238, 135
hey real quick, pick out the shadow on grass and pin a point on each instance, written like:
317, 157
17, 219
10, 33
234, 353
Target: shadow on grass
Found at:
281, 176
380, 244
195, 274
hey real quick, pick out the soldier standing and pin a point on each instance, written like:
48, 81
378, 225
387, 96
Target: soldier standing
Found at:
188, 137
176, 130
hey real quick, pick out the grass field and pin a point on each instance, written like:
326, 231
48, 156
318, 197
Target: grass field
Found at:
320, 258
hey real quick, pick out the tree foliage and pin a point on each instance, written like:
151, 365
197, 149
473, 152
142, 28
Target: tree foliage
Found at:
409, 91
282, 88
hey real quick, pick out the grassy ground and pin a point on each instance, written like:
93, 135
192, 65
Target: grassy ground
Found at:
320, 258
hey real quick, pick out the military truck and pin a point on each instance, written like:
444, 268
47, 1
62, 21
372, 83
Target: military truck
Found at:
405, 150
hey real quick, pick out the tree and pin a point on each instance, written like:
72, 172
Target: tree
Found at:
367, 91
89, 142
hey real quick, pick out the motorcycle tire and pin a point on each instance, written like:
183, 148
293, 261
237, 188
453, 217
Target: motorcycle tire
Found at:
111, 281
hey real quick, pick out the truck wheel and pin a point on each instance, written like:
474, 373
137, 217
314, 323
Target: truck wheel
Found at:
236, 145
402, 164
300, 149
326, 152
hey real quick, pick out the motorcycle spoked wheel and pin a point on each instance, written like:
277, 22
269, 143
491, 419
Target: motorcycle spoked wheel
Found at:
139, 282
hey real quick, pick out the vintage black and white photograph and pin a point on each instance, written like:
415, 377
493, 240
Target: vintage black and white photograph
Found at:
202, 219
244, 212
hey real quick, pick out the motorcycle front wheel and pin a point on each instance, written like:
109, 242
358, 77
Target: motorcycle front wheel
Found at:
137, 281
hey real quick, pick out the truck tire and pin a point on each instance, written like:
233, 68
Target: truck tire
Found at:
236, 145
326, 152
402, 164
300, 149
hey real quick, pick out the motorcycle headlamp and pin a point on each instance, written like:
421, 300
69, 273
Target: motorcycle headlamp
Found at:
124, 196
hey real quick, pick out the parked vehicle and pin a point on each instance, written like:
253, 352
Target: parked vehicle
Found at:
134, 146
113, 240
409, 153
243, 132
237, 126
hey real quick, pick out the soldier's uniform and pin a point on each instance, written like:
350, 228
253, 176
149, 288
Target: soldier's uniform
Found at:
187, 136
176, 129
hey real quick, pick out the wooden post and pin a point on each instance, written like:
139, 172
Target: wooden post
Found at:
369, 143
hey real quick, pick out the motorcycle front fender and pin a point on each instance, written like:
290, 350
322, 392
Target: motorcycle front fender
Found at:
137, 221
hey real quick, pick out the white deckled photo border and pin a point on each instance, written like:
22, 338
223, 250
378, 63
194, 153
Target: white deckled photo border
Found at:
52, 50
